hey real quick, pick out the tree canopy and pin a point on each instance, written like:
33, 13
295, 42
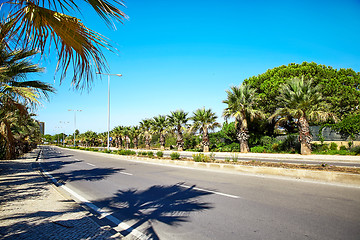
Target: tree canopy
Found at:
341, 87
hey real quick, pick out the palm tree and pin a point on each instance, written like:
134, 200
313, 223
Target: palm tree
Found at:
160, 126
16, 93
125, 135
178, 122
41, 24
145, 126
204, 120
117, 132
242, 103
302, 101
102, 138
134, 134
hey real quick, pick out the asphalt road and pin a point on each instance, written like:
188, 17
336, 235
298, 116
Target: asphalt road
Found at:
166, 202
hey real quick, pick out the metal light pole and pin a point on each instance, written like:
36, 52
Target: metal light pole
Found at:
74, 110
108, 126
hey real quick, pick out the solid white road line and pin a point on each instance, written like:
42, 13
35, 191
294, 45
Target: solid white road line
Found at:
120, 224
214, 192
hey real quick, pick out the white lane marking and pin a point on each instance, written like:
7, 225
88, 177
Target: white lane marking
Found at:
76, 159
125, 173
120, 224
91, 164
214, 192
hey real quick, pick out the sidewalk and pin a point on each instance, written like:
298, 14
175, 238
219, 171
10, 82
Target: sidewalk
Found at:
31, 208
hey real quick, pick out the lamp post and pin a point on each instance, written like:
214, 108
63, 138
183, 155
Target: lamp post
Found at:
108, 126
74, 110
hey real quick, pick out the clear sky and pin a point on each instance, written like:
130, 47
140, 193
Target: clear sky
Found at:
186, 54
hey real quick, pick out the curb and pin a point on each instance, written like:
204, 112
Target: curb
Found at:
303, 174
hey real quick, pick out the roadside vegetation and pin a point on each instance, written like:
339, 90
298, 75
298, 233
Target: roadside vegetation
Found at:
270, 113
210, 158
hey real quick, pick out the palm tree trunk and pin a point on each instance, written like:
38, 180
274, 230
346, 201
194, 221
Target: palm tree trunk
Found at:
147, 142
180, 141
205, 140
162, 142
304, 136
243, 137
135, 141
10, 142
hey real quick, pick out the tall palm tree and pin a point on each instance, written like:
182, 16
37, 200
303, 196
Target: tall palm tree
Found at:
17, 93
204, 120
242, 103
134, 135
178, 122
42, 24
145, 126
125, 136
302, 101
160, 126
117, 132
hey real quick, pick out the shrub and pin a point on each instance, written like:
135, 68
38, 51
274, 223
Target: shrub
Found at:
126, 152
343, 148
333, 146
150, 154
275, 147
258, 149
319, 147
160, 154
200, 157
142, 153
175, 155
95, 149
355, 150
290, 144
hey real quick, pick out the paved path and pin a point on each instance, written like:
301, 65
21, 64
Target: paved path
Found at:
31, 208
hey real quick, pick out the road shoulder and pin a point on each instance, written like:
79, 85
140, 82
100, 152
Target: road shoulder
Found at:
31, 208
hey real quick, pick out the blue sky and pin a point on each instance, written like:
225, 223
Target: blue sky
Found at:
186, 54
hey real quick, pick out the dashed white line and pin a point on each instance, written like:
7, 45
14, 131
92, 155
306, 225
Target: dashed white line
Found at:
214, 192
125, 173
91, 164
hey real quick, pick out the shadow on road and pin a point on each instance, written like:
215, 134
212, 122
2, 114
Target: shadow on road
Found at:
170, 205
95, 174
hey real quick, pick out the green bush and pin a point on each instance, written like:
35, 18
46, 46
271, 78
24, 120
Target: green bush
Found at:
355, 150
200, 157
160, 154
258, 149
319, 147
150, 154
126, 152
343, 148
290, 144
233, 147
175, 155
333, 146
142, 153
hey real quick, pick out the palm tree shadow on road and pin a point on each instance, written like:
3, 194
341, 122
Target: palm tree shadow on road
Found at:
170, 205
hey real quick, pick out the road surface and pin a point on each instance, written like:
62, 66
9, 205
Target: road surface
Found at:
169, 202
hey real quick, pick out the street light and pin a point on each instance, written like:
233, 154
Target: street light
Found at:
108, 135
74, 110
